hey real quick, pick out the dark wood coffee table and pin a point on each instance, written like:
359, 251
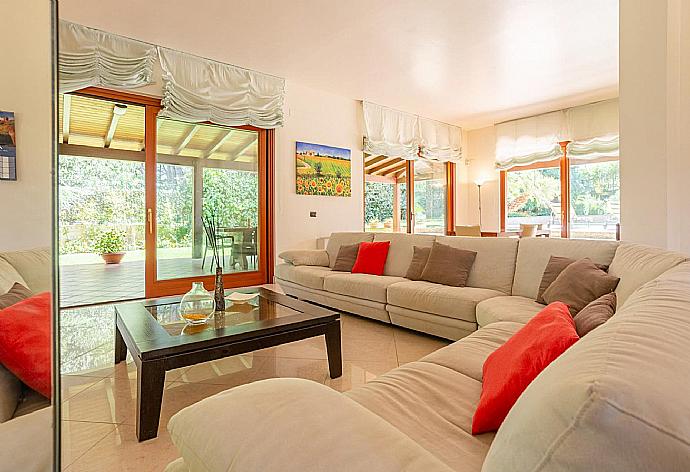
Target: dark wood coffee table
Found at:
160, 341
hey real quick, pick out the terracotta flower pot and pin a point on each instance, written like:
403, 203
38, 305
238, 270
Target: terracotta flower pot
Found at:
113, 257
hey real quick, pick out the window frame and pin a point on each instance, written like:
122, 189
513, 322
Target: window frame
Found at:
563, 163
450, 170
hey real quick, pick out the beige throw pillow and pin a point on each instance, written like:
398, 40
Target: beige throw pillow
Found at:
419, 260
579, 284
312, 257
347, 255
448, 265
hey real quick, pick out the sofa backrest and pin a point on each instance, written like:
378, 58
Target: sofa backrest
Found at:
534, 253
34, 266
9, 276
339, 239
637, 264
401, 250
494, 266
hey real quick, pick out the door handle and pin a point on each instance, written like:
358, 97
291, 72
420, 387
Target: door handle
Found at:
150, 220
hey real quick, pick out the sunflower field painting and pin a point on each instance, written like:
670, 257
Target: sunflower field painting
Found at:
323, 170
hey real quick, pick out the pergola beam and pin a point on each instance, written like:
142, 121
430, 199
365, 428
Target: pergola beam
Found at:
118, 112
371, 160
392, 170
384, 166
244, 148
370, 168
188, 137
66, 112
219, 142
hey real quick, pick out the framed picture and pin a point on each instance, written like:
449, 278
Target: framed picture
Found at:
323, 170
8, 147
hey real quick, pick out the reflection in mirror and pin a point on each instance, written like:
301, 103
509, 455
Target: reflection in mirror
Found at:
26, 259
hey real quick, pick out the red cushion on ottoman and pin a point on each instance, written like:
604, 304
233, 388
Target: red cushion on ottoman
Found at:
511, 368
371, 258
25, 341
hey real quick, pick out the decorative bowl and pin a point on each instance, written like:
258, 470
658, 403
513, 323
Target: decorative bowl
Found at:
238, 297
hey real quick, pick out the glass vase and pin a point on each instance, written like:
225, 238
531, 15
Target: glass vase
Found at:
197, 306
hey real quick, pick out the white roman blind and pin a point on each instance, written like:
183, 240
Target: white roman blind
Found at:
439, 141
529, 140
390, 132
197, 90
89, 57
593, 130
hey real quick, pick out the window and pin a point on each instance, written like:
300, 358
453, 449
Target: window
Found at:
429, 197
534, 197
594, 199
567, 198
407, 196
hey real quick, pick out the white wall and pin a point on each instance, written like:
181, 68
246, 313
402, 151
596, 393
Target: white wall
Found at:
480, 147
654, 121
25, 89
323, 118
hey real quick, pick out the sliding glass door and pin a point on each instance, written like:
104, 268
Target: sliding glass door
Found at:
430, 197
210, 192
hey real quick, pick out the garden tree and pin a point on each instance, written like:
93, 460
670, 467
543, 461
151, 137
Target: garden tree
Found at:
378, 202
593, 186
537, 188
233, 196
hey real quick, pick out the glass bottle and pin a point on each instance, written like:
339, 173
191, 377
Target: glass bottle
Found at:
197, 305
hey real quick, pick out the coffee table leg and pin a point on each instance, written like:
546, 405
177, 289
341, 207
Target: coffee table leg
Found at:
150, 382
335, 359
120, 347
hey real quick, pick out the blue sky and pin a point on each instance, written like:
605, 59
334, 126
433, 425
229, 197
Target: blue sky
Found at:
6, 114
324, 150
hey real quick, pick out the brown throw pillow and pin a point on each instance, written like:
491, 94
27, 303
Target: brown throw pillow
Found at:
17, 293
347, 255
419, 260
448, 265
579, 284
595, 314
554, 267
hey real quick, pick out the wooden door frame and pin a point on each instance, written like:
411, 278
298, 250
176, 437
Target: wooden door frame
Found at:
266, 161
450, 199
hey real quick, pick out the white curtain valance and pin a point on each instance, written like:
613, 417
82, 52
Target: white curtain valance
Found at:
593, 130
89, 57
439, 141
390, 132
529, 140
197, 90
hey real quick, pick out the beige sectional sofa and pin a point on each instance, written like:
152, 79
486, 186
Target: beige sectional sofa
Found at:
616, 401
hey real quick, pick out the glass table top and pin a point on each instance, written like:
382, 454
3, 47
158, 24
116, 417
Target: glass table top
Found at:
257, 309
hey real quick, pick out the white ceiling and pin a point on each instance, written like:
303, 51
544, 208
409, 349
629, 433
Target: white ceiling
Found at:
468, 62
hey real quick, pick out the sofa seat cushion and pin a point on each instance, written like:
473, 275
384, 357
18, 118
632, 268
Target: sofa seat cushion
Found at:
299, 424
366, 286
307, 276
518, 309
467, 356
433, 405
452, 302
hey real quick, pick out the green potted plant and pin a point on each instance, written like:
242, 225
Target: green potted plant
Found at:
110, 245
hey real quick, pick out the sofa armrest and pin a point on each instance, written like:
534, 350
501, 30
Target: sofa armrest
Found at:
312, 257
28, 441
292, 425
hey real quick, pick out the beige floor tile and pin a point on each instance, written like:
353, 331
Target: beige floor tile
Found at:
71, 385
412, 346
78, 437
120, 451
357, 373
231, 371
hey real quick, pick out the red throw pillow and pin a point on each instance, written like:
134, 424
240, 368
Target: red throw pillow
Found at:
511, 368
25, 341
371, 258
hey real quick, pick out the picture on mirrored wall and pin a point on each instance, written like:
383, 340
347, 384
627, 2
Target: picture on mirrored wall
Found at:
323, 170
8, 147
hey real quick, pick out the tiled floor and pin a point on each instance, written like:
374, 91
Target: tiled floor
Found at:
87, 284
98, 401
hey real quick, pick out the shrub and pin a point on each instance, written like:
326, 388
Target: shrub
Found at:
110, 242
